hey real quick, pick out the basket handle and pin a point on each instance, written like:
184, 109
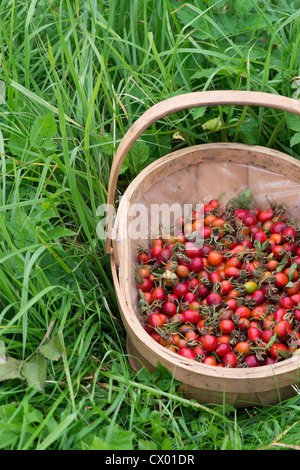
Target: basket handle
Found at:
178, 103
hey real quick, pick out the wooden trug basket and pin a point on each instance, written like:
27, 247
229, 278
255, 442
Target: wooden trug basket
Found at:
196, 174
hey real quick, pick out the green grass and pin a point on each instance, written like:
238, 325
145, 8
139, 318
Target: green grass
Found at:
77, 75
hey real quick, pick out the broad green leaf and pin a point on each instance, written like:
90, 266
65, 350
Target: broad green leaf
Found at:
8, 437
295, 139
249, 132
53, 349
113, 439
158, 431
106, 144
99, 444
147, 445
10, 368
198, 112
203, 73
163, 371
45, 205
139, 158
166, 444
60, 232
293, 122
44, 127
6, 411
140, 152
49, 145
242, 7
17, 143
35, 416
123, 168
244, 201
215, 124
34, 371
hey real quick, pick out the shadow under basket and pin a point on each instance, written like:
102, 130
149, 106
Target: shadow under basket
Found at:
195, 175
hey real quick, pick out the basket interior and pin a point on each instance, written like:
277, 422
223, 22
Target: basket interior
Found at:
198, 175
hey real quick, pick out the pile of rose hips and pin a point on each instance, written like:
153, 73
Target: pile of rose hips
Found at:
234, 301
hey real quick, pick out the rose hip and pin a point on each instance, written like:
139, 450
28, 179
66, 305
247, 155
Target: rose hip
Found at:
232, 301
